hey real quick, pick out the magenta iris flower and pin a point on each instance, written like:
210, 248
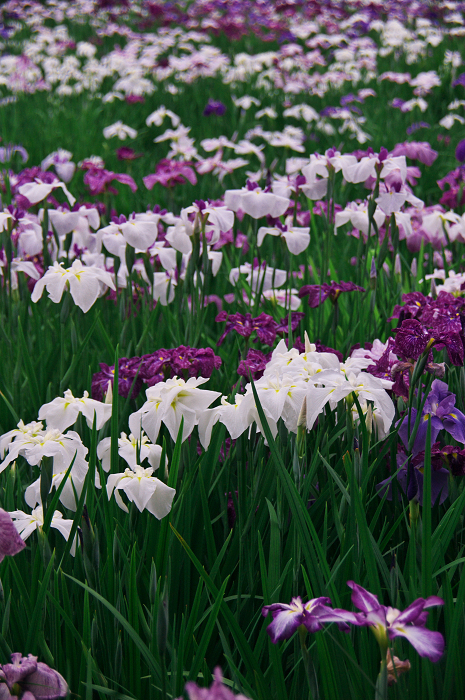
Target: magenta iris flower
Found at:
388, 623
170, 173
99, 180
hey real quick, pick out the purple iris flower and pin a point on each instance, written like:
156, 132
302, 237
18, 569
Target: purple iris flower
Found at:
32, 678
416, 126
460, 151
283, 325
413, 339
214, 107
127, 371
440, 406
454, 458
459, 81
388, 623
416, 150
413, 302
254, 364
264, 325
318, 293
196, 362
410, 477
7, 152
312, 615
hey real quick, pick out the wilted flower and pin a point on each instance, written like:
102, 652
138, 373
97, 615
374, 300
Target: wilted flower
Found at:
396, 667
126, 153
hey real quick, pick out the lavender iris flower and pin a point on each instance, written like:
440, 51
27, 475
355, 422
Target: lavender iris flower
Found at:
217, 690
32, 678
10, 541
388, 623
7, 152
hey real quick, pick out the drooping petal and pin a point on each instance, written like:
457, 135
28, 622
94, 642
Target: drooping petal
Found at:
427, 643
45, 683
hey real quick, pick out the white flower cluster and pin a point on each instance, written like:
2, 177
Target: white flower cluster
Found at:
292, 380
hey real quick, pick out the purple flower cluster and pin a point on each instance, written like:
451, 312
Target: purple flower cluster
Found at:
424, 323
430, 322
318, 293
153, 368
264, 325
